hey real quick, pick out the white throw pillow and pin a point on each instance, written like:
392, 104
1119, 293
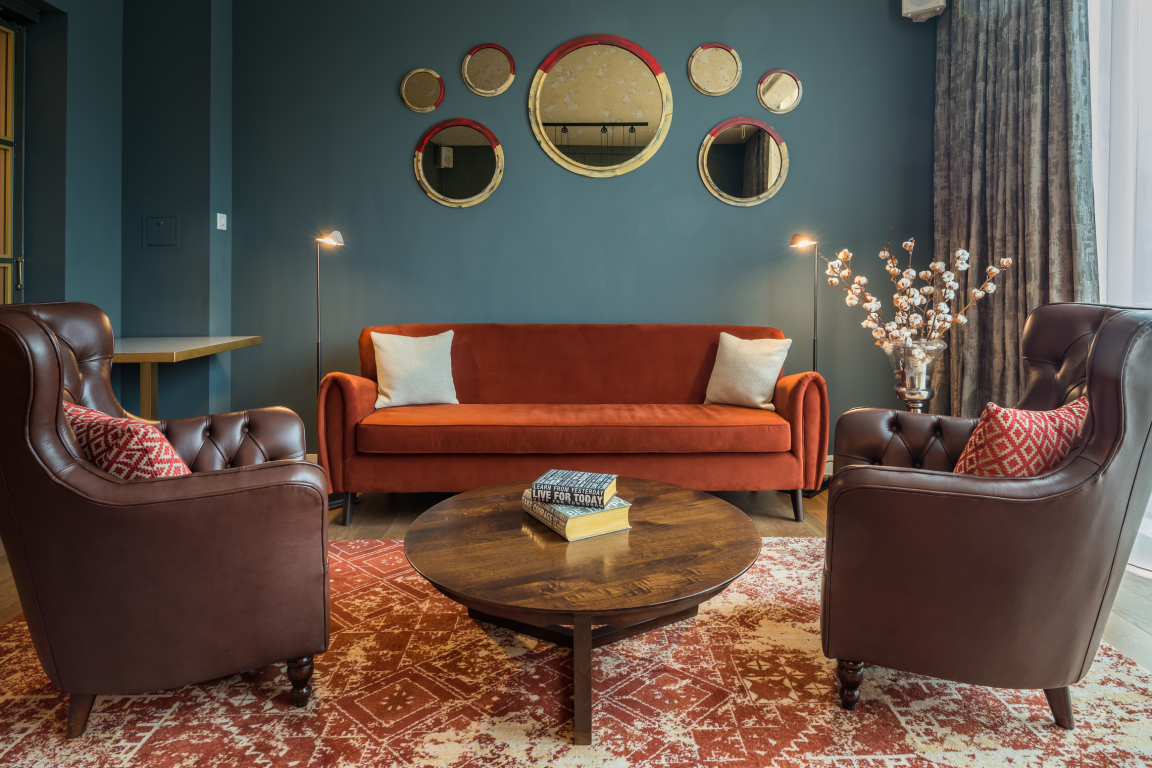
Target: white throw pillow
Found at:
413, 370
746, 371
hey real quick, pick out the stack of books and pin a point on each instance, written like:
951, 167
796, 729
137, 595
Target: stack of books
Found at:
577, 505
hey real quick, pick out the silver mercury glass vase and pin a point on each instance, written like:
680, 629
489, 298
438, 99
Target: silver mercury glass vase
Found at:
912, 364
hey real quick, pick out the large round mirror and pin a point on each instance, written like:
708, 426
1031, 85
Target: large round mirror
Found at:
459, 163
779, 91
743, 161
600, 106
714, 69
422, 90
488, 69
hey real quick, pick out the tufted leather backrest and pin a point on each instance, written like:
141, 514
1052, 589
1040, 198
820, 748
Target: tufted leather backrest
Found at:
1055, 348
85, 338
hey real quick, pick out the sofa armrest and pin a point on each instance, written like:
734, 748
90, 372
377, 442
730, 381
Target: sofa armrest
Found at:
343, 402
900, 439
241, 439
802, 400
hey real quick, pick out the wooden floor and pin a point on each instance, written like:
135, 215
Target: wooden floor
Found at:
388, 515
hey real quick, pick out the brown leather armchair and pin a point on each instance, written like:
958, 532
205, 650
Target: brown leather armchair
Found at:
129, 587
1000, 582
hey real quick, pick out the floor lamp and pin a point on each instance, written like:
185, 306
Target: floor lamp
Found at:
800, 241
332, 238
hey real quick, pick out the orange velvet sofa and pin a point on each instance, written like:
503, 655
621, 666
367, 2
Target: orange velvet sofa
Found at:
623, 399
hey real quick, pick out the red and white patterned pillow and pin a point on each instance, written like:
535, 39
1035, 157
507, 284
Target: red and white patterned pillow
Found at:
1012, 443
125, 448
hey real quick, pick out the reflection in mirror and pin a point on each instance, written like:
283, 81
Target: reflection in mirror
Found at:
459, 163
714, 69
600, 109
422, 90
488, 69
743, 161
779, 91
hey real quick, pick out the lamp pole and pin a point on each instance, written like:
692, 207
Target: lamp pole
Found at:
799, 241
332, 238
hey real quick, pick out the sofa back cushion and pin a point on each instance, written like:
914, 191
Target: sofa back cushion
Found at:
575, 363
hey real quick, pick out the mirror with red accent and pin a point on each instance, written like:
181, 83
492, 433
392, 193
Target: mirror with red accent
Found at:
459, 163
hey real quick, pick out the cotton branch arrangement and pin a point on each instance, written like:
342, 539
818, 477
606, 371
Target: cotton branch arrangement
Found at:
923, 313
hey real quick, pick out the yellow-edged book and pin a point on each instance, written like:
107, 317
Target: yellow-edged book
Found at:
574, 523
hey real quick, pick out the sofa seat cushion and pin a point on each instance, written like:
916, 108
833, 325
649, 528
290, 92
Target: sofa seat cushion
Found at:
582, 428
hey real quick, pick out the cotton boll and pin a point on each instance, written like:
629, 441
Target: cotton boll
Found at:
903, 283
1005, 263
992, 271
948, 276
851, 300
910, 274
925, 275
991, 288
861, 280
833, 281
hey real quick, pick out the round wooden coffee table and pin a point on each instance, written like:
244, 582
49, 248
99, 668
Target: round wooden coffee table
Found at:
484, 551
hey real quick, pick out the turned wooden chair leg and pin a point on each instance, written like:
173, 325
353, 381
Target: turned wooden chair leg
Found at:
1060, 702
349, 500
79, 707
299, 673
850, 674
798, 504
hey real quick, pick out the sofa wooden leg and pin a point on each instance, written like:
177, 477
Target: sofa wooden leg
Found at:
850, 674
1060, 701
798, 504
300, 673
349, 500
79, 707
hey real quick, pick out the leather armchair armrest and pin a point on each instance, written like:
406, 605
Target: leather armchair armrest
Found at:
802, 400
241, 439
185, 578
900, 439
928, 571
343, 403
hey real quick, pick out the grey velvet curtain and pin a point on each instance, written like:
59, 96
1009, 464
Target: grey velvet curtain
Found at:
758, 170
1012, 178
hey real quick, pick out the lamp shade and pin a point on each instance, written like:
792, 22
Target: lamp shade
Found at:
798, 241
332, 238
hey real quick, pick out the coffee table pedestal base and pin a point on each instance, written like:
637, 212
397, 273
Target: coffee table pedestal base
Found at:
582, 638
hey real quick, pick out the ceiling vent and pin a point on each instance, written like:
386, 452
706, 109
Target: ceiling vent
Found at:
922, 10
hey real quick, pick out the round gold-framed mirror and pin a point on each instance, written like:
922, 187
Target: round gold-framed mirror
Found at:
743, 161
714, 69
779, 91
422, 90
600, 106
488, 69
459, 163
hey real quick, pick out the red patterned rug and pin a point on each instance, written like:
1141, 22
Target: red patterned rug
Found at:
411, 681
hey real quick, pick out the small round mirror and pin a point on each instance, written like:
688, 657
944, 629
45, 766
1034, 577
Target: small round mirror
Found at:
714, 69
488, 69
459, 163
600, 106
779, 91
422, 90
743, 161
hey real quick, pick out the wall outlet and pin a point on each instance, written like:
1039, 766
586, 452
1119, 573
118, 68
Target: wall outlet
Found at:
221, 221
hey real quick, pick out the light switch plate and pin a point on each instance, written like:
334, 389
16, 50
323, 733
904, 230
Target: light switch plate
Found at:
161, 232
221, 221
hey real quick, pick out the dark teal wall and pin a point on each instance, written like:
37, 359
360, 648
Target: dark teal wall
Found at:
177, 162
323, 141
73, 171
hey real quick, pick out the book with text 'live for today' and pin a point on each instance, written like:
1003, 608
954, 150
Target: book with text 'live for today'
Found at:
576, 489
575, 523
